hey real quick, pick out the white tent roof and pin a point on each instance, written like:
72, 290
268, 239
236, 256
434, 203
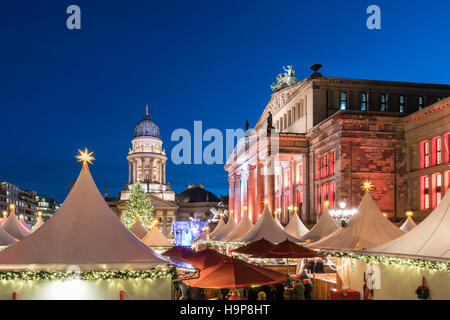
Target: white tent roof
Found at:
138, 229
324, 227
277, 221
5, 238
15, 228
226, 231
39, 223
154, 238
218, 229
84, 232
366, 229
429, 239
408, 225
266, 228
242, 228
295, 227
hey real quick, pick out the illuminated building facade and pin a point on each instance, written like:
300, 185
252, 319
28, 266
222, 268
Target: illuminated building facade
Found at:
330, 134
24, 200
47, 206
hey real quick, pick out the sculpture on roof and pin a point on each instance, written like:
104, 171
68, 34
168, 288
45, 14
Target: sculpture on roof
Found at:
287, 79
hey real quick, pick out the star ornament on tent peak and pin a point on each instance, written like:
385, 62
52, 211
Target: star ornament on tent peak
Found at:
85, 156
367, 186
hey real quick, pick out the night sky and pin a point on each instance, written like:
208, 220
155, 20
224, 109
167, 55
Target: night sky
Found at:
61, 90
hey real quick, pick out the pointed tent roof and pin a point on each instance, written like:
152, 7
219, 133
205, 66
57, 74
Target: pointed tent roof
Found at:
85, 232
15, 228
324, 227
203, 236
275, 218
366, 229
226, 231
154, 238
5, 238
39, 223
138, 229
267, 228
408, 225
295, 227
242, 228
430, 239
218, 229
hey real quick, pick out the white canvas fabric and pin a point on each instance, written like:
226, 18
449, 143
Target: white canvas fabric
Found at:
408, 225
138, 229
366, 229
5, 238
218, 229
242, 228
324, 227
83, 232
154, 238
266, 228
295, 227
39, 223
15, 228
226, 231
277, 221
430, 239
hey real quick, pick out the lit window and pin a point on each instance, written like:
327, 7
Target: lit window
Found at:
420, 102
436, 156
325, 192
384, 102
424, 192
437, 190
287, 178
299, 199
424, 154
343, 100
447, 181
318, 200
447, 148
402, 104
318, 162
299, 174
332, 194
363, 101
331, 163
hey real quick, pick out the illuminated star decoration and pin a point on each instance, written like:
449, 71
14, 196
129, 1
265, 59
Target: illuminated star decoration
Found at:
409, 213
367, 186
85, 156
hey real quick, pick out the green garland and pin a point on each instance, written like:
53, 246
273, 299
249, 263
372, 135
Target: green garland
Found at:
412, 263
89, 275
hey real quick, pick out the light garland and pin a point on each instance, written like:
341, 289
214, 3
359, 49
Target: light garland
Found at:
405, 262
89, 275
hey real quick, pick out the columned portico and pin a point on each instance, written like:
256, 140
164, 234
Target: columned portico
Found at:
237, 198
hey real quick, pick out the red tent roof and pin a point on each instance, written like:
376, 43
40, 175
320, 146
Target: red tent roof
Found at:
206, 258
257, 247
179, 252
289, 249
234, 273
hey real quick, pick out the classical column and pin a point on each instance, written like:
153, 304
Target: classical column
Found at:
152, 166
244, 192
231, 194
164, 173
270, 192
129, 172
292, 188
251, 194
134, 170
259, 190
237, 198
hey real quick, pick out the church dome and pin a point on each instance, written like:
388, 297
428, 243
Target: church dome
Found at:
146, 127
196, 193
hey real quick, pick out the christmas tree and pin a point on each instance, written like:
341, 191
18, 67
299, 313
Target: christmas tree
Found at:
139, 204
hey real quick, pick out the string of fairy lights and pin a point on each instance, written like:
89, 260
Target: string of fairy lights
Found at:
90, 275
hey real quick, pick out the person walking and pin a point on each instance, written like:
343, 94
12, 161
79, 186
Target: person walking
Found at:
299, 290
307, 283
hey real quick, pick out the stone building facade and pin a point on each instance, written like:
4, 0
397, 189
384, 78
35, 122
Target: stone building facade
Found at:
24, 200
329, 135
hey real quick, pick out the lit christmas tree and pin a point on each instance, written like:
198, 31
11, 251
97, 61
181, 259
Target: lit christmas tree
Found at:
140, 205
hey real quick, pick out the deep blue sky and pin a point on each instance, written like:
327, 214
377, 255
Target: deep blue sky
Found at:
211, 60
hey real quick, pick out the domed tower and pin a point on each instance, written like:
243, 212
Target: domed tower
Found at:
147, 161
